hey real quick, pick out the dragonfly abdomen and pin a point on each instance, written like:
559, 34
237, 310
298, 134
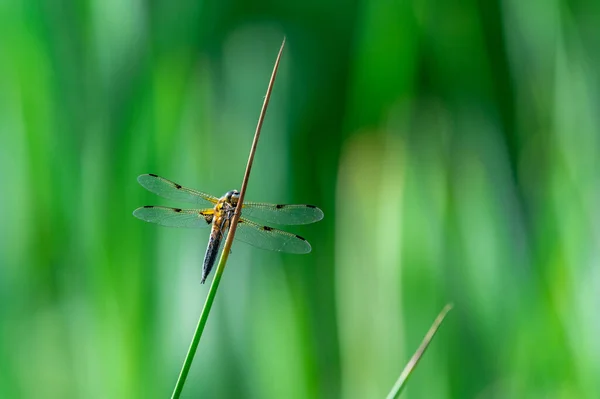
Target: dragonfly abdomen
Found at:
211, 253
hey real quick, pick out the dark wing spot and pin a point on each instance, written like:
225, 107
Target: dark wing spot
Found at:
152, 174
177, 186
302, 238
148, 206
208, 217
279, 206
310, 206
267, 228
177, 210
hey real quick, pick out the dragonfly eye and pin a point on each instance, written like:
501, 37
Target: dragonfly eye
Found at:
233, 196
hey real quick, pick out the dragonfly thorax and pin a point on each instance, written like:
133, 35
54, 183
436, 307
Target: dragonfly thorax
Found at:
225, 208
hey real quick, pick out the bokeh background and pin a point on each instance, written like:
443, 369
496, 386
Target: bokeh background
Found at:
453, 147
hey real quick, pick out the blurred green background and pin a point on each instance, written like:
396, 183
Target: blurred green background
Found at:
453, 147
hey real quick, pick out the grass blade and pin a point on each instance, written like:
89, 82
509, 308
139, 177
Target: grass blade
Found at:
227, 247
412, 363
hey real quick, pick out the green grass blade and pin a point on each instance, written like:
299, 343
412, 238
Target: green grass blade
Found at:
227, 247
412, 363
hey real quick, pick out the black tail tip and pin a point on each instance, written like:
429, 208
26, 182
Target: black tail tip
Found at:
203, 280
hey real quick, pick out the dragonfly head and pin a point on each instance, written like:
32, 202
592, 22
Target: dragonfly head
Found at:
232, 197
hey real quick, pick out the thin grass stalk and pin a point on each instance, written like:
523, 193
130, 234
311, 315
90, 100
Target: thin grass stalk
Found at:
227, 247
412, 363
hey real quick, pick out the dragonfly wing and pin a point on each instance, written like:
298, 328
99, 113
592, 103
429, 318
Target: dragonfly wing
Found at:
282, 214
266, 237
173, 191
175, 217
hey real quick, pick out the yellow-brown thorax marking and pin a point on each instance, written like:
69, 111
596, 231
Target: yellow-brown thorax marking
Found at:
224, 211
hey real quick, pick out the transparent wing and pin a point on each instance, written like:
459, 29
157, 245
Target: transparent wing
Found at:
282, 214
266, 237
171, 190
175, 217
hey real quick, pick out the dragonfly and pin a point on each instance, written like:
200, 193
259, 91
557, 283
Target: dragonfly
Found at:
218, 212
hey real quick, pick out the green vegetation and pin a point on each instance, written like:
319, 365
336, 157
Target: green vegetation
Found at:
453, 148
